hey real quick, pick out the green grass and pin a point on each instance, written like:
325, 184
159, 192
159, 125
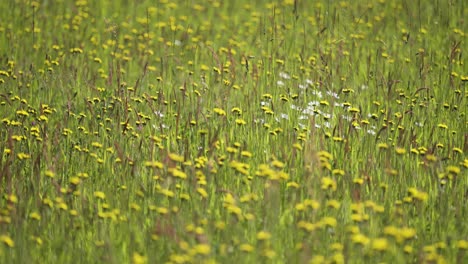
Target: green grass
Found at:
233, 132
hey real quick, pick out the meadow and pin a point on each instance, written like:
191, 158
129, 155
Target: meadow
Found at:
285, 131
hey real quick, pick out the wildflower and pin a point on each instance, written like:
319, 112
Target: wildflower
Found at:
139, 259
380, 244
333, 204
162, 210
220, 225
277, 164
135, 207
382, 146
458, 150
338, 172
22, 156
177, 173
329, 221
418, 195
100, 195
400, 151
153, 164
454, 170
12, 198
202, 249
175, 157
462, 244
219, 111
236, 110
408, 249
358, 181
442, 126
96, 144
360, 239
246, 248
202, 192
240, 121
328, 184
312, 204
354, 110
297, 146
35, 216
292, 184
7, 241
337, 258
317, 259
269, 253
263, 235
246, 154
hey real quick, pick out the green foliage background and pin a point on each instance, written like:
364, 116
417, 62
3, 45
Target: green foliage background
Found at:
233, 131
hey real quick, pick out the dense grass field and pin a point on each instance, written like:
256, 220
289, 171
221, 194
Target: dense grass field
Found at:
217, 131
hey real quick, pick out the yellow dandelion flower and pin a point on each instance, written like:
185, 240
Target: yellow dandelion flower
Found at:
354, 110
7, 241
269, 253
442, 126
73, 212
292, 184
458, 150
329, 221
246, 154
135, 207
325, 154
263, 235
100, 195
178, 173
175, 157
307, 226
312, 204
338, 258
35, 216
219, 111
380, 244
462, 244
400, 151
12, 198
240, 121
246, 248
407, 233
338, 172
353, 229
418, 195
297, 146
235, 210
202, 192
358, 181
96, 144
220, 225
277, 164
454, 170
333, 204
382, 146
337, 246
202, 249
317, 259
231, 150
139, 259
153, 164
360, 239
23, 156
328, 184
162, 210
300, 207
